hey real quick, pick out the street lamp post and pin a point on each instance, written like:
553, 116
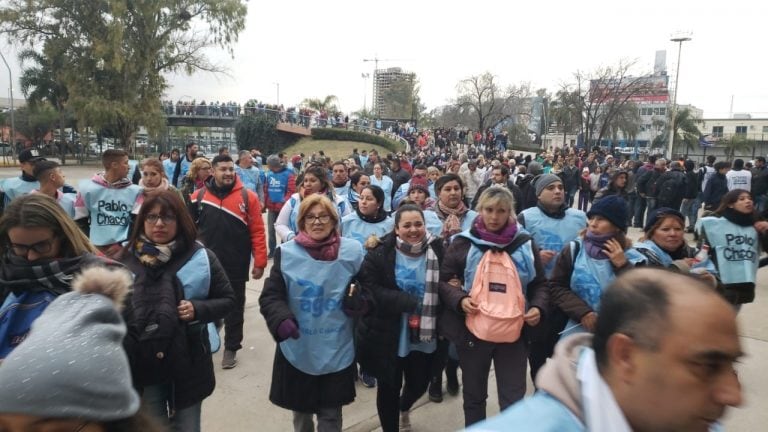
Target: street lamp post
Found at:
673, 108
12, 135
277, 84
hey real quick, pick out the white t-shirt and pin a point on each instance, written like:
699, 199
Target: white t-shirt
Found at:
741, 179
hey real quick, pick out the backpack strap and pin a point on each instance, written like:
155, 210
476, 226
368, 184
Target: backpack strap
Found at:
520, 240
575, 248
199, 203
244, 193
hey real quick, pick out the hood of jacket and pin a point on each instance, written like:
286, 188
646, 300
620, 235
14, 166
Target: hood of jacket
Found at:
221, 193
558, 376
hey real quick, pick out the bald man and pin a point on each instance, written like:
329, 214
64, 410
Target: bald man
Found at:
661, 359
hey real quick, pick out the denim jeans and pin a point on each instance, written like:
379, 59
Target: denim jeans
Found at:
184, 420
651, 204
690, 208
639, 212
328, 420
272, 242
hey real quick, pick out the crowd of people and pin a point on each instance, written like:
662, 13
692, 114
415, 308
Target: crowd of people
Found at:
400, 270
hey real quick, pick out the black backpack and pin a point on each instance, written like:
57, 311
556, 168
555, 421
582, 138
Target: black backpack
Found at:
157, 342
671, 190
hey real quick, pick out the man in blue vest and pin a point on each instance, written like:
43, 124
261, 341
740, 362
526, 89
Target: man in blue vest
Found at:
250, 175
107, 203
51, 179
661, 359
553, 225
278, 188
182, 166
340, 179
26, 182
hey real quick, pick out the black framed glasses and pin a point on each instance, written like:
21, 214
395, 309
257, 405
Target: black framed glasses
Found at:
167, 219
41, 247
310, 219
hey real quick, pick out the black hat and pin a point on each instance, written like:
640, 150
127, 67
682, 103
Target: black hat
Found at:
613, 208
654, 216
30, 155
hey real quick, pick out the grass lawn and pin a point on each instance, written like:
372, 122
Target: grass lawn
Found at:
336, 150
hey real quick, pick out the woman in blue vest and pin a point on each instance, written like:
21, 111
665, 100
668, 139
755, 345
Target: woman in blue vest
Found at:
357, 181
587, 265
41, 249
385, 183
314, 182
398, 340
734, 245
494, 227
180, 289
304, 302
369, 218
153, 178
663, 245
450, 209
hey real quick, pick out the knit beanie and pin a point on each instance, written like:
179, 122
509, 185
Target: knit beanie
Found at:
419, 183
535, 168
613, 208
545, 180
72, 364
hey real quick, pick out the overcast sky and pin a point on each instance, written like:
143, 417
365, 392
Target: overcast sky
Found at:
316, 48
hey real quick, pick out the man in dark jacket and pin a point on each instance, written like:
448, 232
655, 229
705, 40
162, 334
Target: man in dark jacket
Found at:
647, 182
717, 186
500, 178
670, 187
760, 183
690, 196
398, 175
570, 176
527, 185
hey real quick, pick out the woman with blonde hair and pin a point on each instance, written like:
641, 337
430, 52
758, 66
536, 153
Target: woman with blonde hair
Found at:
308, 304
199, 171
41, 250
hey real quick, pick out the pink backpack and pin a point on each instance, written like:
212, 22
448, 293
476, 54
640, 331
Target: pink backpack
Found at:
499, 294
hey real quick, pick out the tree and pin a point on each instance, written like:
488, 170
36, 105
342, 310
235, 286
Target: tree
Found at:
565, 112
41, 83
328, 104
737, 143
256, 131
685, 129
35, 123
603, 95
487, 102
116, 52
402, 99
626, 122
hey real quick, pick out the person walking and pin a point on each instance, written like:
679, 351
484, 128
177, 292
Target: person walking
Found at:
278, 188
229, 223
181, 288
307, 302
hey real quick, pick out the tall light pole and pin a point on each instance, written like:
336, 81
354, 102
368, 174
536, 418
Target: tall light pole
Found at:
277, 84
673, 109
12, 135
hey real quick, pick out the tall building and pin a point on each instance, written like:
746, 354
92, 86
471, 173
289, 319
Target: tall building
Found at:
383, 80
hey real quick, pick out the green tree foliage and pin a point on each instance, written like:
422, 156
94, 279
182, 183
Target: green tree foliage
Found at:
402, 100
328, 104
41, 83
35, 123
115, 52
737, 143
260, 131
686, 129
565, 112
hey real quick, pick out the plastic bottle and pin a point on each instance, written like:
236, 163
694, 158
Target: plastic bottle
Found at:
700, 260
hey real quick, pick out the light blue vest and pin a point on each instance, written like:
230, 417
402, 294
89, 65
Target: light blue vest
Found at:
411, 277
551, 233
666, 260
386, 185
195, 278
109, 210
251, 178
169, 167
342, 191
315, 296
434, 224
737, 249
342, 205
522, 257
357, 229
16, 187
67, 202
590, 277
184, 169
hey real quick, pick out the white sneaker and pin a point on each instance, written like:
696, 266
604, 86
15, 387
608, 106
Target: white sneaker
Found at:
405, 421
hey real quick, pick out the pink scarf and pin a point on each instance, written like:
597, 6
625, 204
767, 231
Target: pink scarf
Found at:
325, 250
502, 238
452, 222
163, 186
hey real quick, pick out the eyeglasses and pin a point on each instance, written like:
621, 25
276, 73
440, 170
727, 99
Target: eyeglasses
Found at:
41, 248
167, 219
310, 219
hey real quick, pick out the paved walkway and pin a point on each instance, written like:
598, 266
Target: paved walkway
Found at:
240, 402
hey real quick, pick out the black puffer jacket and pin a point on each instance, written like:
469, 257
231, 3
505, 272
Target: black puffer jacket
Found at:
378, 333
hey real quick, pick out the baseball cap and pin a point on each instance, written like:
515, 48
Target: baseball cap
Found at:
30, 155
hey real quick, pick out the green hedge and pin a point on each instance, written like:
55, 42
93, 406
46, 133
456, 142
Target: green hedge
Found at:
348, 135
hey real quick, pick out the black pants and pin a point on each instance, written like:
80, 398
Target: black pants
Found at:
233, 323
416, 370
543, 338
509, 361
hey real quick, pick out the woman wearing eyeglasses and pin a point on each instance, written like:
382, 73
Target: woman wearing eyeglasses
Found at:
308, 306
199, 170
41, 249
179, 289
314, 182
